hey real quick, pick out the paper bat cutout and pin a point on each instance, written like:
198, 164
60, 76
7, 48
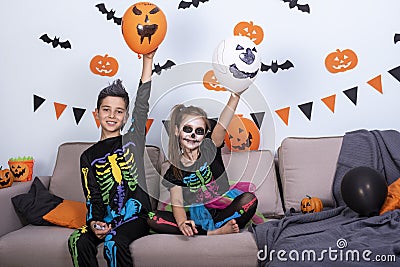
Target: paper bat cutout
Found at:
110, 14
195, 3
275, 66
55, 42
157, 68
396, 37
293, 3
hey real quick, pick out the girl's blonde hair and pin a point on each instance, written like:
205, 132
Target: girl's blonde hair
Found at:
178, 113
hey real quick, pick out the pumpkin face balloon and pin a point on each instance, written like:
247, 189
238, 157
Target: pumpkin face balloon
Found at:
340, 61
104, 65
6, 178
236, 62
311, 205
144, 27
242, 134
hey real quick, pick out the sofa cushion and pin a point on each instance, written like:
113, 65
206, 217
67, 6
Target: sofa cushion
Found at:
69, 213
177, 250
307, 167
37, 202
252, 166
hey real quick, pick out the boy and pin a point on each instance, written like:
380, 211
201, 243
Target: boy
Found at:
113, 178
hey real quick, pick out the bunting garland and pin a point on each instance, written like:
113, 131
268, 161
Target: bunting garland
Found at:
37, 102
330, 101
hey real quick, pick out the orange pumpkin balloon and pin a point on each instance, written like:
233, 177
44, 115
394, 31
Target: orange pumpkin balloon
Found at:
340, 61
254, 32
210, 82
104, 65
242, 134
144, 27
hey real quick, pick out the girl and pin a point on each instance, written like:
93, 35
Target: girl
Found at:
197, 179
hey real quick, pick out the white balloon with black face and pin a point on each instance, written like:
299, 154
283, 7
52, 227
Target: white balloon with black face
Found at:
236, 63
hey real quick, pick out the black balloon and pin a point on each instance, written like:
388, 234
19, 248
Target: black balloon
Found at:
364, 190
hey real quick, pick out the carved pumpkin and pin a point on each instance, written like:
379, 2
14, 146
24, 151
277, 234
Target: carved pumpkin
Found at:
6, 178
340, 61
144, 27
311, 205
242, 134
254, 32
104, 65
21, 170
210, 82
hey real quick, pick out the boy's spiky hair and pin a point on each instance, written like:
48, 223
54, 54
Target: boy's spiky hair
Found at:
115, 89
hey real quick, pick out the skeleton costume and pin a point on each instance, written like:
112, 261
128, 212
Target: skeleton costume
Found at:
210, 201
113, 181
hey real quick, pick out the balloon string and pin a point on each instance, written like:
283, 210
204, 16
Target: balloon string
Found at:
139, 56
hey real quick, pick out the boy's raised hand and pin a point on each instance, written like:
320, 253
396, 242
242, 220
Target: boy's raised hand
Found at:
147, 70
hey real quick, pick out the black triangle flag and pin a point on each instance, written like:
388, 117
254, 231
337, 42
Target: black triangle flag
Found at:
352, 94
258, 118
306, 108
395, 73
37, 102
78, 113
166, 125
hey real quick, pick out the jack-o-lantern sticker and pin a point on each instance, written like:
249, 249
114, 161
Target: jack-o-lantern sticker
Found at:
144, 27
210, 82
248, 29
6, 178
21, 168
242, 134
104, 65
341, 61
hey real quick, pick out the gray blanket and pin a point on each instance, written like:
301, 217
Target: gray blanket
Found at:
340, 237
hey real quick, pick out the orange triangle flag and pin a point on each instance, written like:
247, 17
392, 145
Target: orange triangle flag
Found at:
96, 119
149, 122
59, 109
376, 83
284, 114
329, 101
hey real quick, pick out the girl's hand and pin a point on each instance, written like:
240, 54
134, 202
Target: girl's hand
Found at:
100, 229
188, 228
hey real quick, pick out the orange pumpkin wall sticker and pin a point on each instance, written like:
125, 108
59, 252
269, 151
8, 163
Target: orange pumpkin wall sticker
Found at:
104, 65
242, 134
248, 29
144, 27
341, 61
210, 82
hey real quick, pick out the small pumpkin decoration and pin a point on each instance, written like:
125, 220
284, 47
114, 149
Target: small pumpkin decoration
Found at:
311, 204
6, 178
104, 65
242, 134
210, 82
144, 27
21, 168
254, 32
340, 61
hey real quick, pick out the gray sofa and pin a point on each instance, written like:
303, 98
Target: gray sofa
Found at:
305, 166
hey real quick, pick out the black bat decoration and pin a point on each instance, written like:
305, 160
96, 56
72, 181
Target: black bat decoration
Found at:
157, 68
195, 3
275, 66
55, 42
110, 14
396, 37
293, 3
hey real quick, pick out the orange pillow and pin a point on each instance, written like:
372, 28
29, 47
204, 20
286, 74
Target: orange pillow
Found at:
69, 213
392, 201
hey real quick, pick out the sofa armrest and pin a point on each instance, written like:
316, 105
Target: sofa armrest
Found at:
10, 220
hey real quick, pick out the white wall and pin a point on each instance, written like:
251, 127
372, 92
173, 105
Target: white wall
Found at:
29, 66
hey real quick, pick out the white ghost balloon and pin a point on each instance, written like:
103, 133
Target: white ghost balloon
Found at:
236, 62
